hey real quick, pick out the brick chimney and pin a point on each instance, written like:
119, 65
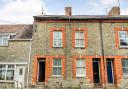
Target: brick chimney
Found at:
68, 11
115, 11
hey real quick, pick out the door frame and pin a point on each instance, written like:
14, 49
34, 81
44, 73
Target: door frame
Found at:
21, 83
98, 60
41, 60
110, 60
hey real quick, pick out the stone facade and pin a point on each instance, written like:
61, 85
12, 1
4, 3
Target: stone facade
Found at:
94, 48
15, 54
101, 45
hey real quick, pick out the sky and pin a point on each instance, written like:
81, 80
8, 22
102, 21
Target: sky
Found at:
22, 11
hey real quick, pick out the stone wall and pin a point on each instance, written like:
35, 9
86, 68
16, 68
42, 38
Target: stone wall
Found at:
41, 44
17, 51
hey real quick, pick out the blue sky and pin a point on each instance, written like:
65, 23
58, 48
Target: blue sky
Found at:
22, 11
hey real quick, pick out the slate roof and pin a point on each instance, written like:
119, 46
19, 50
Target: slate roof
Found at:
21, 31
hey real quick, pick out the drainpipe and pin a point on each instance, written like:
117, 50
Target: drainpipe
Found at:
29, 57
102, 50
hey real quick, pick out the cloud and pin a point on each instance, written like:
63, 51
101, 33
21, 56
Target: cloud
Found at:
124, 11
20, 11
109, 3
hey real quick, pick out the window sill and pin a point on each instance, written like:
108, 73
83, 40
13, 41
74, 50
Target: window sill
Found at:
80, 47
57, 76
123, 47
80, 76
125, 77
7, 81
3, 45
57, 47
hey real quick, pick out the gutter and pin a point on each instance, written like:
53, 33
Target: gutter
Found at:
20, 39
102, 51
43, 18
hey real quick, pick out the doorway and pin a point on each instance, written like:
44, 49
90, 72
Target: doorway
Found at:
41, 70
20, 76
109, 64
96, 71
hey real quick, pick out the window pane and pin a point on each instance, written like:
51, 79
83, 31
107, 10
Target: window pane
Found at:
57, 39
1, 40
79, 39
124, 63
57, 62
10, 75
57, 35
79, 43
11, 66
20, 71
123, 34
79, 35
2, 74
5, 40
54, 71
80, 71
125, 66
2, 66
57, 71
124, 70
80, 63
57, 43
123, 42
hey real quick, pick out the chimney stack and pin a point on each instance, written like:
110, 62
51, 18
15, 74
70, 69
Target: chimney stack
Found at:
68, 11
115, 11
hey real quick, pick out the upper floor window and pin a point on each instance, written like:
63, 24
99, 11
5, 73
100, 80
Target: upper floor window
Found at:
79, 39
123, 38
57, 67
4, 40
125, 66
57, 39
80, 68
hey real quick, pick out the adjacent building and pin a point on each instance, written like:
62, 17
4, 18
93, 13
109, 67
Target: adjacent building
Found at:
15, 47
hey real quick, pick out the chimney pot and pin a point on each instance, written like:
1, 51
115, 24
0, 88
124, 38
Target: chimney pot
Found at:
68, 11
115, 11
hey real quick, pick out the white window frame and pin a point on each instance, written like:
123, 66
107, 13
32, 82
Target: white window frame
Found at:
123, 38
57, 67
6, 69
80, 46
80, 75
2, 37
58, 39
126, 67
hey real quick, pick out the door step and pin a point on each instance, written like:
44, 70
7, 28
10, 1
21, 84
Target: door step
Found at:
99, 86
111, 86
96, 86
40, 85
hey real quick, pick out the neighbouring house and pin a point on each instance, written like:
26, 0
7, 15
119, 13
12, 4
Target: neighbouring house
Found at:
80, 50
15, 48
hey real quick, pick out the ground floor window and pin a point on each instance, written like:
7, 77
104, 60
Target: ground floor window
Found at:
6, 72
80, 68
57, 67
125, 66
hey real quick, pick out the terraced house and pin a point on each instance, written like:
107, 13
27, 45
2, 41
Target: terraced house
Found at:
15, 44
66, 52
80, 50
